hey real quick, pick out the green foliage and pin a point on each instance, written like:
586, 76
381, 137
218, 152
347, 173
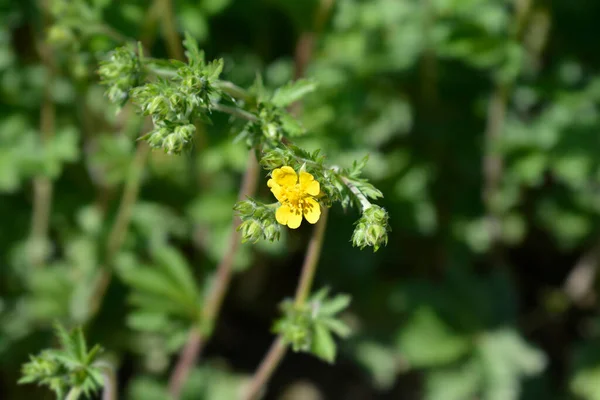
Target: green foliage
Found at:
466, 301
71, 368
165, 296
310, 327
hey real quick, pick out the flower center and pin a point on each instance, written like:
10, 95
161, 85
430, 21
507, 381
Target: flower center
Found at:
295, 198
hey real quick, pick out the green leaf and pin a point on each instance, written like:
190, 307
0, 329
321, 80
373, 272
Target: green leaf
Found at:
213, 69
323, 345
178, 270
293, 92
160, 304
332, 307
214, 6
148, 321
426, 341
454, 383
193, 52
337, 326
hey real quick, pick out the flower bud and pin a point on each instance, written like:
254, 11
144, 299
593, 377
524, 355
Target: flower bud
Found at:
372, 228
121, 73
251, 230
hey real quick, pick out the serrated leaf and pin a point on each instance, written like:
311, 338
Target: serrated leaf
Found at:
66, 341
178, 270
214, 69
291, 125
337, 326
292, 92
79, 342
331, 307
323, 345
193, 53
154, 283
148, 321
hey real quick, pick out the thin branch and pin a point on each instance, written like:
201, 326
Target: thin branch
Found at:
169, 24
109, 392
233, 90
278, 348
73, 394
580, 281
42, 185
236, 112
364, 202
121, 224
212, 306
266, 368
493, 164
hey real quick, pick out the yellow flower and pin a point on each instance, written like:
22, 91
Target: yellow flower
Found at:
296, 195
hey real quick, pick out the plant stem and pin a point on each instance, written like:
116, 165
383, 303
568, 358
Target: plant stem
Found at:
233, 90
197, 338
121, 224
73, 394
236, 112
110, 381
266, 368
311, 260
364, 202
42, 185
278, 349
169, 25
493, 165
128, 200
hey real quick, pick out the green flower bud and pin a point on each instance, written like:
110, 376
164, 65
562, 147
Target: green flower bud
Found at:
274, 159
272, 232
245, 208
372, 228
251, 230
121, 73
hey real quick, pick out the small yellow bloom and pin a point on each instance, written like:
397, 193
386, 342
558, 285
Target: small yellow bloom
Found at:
296, 195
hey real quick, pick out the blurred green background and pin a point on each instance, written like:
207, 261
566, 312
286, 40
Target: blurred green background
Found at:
481, 120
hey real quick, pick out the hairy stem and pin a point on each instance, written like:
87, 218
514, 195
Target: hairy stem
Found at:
364, 202
212, 306
278, 349
236, 112
233, 90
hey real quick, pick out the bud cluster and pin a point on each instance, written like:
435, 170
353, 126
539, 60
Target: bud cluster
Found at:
372, 228
258, 221
121, 73
174, 104
171, 137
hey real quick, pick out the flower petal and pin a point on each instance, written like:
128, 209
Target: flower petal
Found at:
312, 210
285, 176
308, 184
282, 214
276, 190
294, 220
